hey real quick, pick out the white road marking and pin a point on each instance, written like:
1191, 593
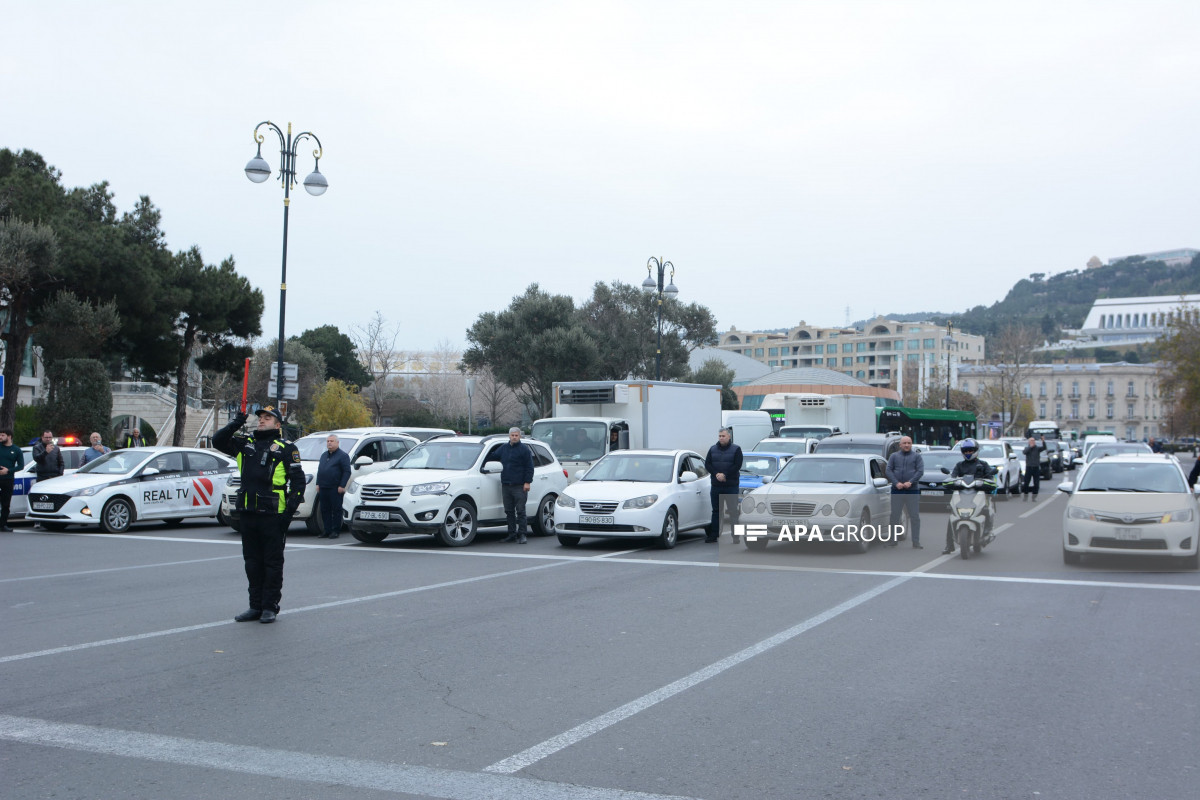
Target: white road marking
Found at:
593, 726
1039, 505
116, 569
308, 767
350, 601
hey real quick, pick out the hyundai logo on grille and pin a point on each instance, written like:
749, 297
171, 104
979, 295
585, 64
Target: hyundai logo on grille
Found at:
374, 492
43, 497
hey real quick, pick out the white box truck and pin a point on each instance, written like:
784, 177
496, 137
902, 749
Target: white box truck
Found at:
748, 427
815, 416
591, 418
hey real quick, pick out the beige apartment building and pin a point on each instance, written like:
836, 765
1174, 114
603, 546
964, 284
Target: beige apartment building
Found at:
872, 354
1119, 397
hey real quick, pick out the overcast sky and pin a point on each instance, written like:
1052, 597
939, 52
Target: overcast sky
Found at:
792, 159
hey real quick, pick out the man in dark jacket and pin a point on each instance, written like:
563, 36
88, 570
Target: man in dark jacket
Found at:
333, 473
724, 464
904, 470
134, 439
1033, 467
48, 457
970, 467
515, 480
12, 461
272, 489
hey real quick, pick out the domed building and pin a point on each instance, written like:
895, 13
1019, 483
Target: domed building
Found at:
809, 380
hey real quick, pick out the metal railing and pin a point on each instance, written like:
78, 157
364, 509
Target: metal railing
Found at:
148, 387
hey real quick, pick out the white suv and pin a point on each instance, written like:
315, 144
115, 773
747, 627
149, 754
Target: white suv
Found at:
370, 450
449, 487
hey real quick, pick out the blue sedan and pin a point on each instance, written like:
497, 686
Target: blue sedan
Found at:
756, 466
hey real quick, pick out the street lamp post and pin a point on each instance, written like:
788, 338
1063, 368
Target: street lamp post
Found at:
258, 170
948, 339
652, 285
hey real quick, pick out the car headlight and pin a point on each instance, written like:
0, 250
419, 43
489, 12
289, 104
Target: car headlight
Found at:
88, 492
645, 501
748, 504
352, 486
308, 479
1184, 515
1075, 512
437, 487
842, 507
566, 501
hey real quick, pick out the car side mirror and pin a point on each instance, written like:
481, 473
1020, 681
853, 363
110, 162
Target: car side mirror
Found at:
363, 461
879, 482
945, 471
149, 471
492, 467
688, 477
1066, 487
1196, 490
767, 480
579, 473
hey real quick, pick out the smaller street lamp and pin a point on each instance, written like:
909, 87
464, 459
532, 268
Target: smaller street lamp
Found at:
948, 340
671, 291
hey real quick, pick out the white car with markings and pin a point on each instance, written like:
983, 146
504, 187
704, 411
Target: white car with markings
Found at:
637, 494
120, 488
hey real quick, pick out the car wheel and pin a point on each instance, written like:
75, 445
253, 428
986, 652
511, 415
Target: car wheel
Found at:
670, 530
234, 524
117, 515
543, 523
759, 542
369, 537
864, 519
1071, 558
460, 525
316, 522
567, 541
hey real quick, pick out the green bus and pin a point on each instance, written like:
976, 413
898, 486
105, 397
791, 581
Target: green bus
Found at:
926, 425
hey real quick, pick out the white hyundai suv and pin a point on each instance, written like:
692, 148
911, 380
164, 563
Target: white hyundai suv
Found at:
449, 487
369, 449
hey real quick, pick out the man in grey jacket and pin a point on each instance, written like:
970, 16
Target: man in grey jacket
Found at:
904, 470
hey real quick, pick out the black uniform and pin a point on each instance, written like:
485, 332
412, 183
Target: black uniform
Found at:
272, 489
12, 458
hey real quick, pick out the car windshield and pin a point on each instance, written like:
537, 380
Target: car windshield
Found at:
934, 460
440, 454
313, 447
801, 432
765, 466
118, 462
633, 467
991, 451
822, 470
572, 441
870, 448
1118, 477
1115, 449
782, 445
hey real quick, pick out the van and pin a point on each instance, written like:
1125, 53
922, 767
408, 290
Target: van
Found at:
748, 427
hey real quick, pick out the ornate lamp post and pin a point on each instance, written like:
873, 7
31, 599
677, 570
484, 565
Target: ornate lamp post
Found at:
948, 340
258, 170
652, 285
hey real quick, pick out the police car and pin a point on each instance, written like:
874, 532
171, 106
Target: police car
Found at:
25, 477
139, 483
370, 450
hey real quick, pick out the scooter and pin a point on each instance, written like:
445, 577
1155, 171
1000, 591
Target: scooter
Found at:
972, 513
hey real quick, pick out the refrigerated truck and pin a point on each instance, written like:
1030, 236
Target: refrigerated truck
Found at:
815, 416
642, 414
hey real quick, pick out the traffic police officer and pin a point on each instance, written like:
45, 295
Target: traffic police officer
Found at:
272, 489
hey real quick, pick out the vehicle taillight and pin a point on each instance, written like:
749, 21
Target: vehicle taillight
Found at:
565, 475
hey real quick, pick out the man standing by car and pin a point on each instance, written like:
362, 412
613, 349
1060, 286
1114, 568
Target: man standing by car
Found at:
96, 449
724, 464
1033, 467
48, 457
333, 472
272, 489
904, 470
12, 460
515, 480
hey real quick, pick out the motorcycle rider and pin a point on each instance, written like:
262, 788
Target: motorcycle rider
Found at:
970, 467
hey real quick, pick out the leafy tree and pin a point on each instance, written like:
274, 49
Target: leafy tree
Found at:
219, 311
310, 367
75, 328
338, 406
714, 371
1179, 371
623, 320
79, 399
537, 340
29, 424
341, 361
29, 268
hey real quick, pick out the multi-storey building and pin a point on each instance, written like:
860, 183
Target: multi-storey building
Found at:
872, 354
1121, 397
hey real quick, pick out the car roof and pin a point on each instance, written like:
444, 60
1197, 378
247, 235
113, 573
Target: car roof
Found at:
860, 437
646, 452
856, 456
773, 453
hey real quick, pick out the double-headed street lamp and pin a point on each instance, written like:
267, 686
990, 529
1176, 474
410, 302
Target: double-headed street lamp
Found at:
948, 340
258, 170
651, 285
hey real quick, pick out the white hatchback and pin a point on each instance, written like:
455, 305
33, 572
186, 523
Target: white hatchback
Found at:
139, 483
637, 494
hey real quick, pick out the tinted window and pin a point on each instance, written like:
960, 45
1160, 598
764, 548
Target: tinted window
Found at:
541, 456
203, 461
394, 448
372, 450
696, 465
167, 462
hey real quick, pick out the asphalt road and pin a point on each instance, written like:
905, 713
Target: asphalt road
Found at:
604, 671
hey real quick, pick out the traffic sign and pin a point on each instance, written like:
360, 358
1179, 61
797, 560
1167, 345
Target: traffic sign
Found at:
290, 371
291, 391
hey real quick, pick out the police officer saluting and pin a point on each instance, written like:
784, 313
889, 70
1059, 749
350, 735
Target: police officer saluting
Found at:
272, 489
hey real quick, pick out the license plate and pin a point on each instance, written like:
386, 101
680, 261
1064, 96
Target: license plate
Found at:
43, 506
589, 520
1129, 534
383, 515
933, 492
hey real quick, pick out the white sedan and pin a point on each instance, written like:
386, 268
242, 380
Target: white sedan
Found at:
636, 494
140, 483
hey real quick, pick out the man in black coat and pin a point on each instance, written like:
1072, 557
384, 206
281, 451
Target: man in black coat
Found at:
1033, 467
333, 473
48, 457
515, 481
724, 464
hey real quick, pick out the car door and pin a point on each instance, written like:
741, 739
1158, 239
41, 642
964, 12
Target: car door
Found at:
165, 488
881, 500
543, 474
698, 491
208, 476
490, 498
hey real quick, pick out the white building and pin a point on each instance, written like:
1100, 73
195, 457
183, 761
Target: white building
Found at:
1135, 320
